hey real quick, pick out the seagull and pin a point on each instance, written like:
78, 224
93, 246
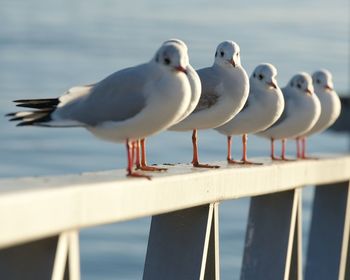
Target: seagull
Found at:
330, 107
301, 112
196, 88
130, 104
225, 87
264, 106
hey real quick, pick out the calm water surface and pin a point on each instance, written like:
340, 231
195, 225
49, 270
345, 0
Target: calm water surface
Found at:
49, 46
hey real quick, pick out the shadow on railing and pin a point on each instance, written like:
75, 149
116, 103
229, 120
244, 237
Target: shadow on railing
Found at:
40, 219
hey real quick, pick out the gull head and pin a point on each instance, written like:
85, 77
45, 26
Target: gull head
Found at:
264, 76
227, 54
177, 41
302, 83
172, 56
322, 79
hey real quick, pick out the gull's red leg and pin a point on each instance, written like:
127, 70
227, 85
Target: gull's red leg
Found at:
138, 160
128, 151
130, 172
273, 157
303, 153
133, 152
144, 166
229, 144
299, 153
244, 157
303, 150
195, 161
283, 155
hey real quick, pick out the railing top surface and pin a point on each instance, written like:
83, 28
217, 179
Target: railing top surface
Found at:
32, 208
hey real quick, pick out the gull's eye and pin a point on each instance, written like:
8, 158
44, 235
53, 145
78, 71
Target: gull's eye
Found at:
299, 86
318, 81
238, 54
222, 53
167, 61
261, 77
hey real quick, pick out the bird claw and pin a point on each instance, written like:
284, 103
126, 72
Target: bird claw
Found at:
249, 162
138, 175
288, 159
282, 159
150, 168
200, 165
232, 161
309, 158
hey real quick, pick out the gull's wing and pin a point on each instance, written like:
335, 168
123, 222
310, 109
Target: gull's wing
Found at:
118, 97
209, 95
285, 113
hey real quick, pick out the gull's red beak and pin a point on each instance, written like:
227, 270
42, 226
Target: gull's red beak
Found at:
181, 69
308, 91
231, 61
272, 84
328, 87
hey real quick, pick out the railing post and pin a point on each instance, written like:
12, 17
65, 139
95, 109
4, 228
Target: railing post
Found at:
53, 258
30, 261
270, 235
329, 233
178, 245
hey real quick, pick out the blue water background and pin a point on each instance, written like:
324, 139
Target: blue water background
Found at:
47, 46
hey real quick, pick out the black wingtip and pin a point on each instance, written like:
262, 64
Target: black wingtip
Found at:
10, 115
40, 100
24, 124
37, 105
16, 119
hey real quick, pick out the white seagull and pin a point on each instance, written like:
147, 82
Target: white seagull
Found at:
301, 112
130, 104
330, 107
225, 87
196, 88
264, 106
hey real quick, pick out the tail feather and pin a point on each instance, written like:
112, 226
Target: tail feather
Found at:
31, 117
42, 116
38, 103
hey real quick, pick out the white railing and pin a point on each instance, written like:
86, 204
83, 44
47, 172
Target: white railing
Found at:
40, 219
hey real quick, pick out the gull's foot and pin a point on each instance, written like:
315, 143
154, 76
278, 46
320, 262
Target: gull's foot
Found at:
283, 159
288, 159
309, 157
232, 161
150, 168
139, 175
200, 165
276, 158
250, 162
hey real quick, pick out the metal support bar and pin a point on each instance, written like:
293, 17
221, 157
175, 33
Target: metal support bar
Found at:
178, 244
212, 270
61, 257
296, 266
67, 259
329, 233
74, 255
270, 235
